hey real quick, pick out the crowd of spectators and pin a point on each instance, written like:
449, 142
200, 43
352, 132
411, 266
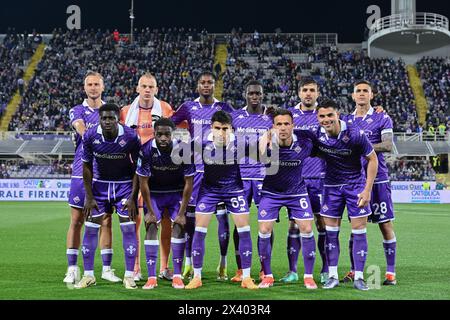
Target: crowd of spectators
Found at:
60, 167
15, 51
411, 170
435, 76
4, 174
335, 71
18, 168
175, 56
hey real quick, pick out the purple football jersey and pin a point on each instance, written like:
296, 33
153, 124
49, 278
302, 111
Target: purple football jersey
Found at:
221, 165
288, 180
248, 128
90, 118
198, 117
165, 176
374, 126
313, 167
342, 153
112, 160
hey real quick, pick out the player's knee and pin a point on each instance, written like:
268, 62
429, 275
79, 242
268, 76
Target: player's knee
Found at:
151, 231
265, 229
178, 231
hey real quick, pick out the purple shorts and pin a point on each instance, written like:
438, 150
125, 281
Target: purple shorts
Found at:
235, 202
109, 195
315, 193
165, 202
76, 194
198, 177
298, 208
336, 198
381, 203
252, 190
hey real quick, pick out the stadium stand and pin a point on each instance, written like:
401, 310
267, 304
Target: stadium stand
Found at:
57, 84
435, 75
281, 61
15, 51
418, 169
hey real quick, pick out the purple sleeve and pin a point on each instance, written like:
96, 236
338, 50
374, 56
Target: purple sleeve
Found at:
228, 108
87, 148
134, 152
144, 160
76, 113
181, 114
366, 146
386, 125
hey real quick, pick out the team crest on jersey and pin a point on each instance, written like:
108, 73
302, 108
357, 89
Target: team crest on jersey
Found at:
265, 118
122, 143
219, 108
201, 206
298, 149
194, 108
346, 139
325, 208
76, 199
263, 213
87, 112
241, 116
369, 121
96, 141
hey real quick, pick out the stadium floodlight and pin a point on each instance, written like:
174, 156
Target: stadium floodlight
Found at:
131, 20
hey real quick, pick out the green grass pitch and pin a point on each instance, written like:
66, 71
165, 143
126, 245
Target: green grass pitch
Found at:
33, 260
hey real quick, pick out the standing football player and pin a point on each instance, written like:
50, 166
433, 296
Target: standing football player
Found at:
82, 118
379, 129
110, 152
165, 187
198, 114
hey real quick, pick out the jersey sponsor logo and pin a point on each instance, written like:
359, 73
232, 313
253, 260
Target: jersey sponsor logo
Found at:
307, 215
322, 139
110, 156
362, 211
87, 112
201, 121
96, 141
341, 152
241, 116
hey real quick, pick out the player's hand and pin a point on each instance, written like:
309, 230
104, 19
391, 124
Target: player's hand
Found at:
180, 219
265, 141
363, 199
379, 109
130, 205
150, 218
270, 109
89, 205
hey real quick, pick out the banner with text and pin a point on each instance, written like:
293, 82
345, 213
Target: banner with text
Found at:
418, 192
34, 189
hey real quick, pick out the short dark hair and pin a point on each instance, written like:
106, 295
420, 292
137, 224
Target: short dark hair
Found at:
222, 117
253, 83
110, 107
363, 81
305, 81
206, 73
164, 122
327, 103
282, 112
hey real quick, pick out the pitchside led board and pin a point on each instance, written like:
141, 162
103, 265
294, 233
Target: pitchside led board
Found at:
58, 190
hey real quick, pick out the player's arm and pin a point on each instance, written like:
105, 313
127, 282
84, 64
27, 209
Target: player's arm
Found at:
79, 126
87, 159
150, 216
130, 205
372, 169
187, 192
89, 203
386, 143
